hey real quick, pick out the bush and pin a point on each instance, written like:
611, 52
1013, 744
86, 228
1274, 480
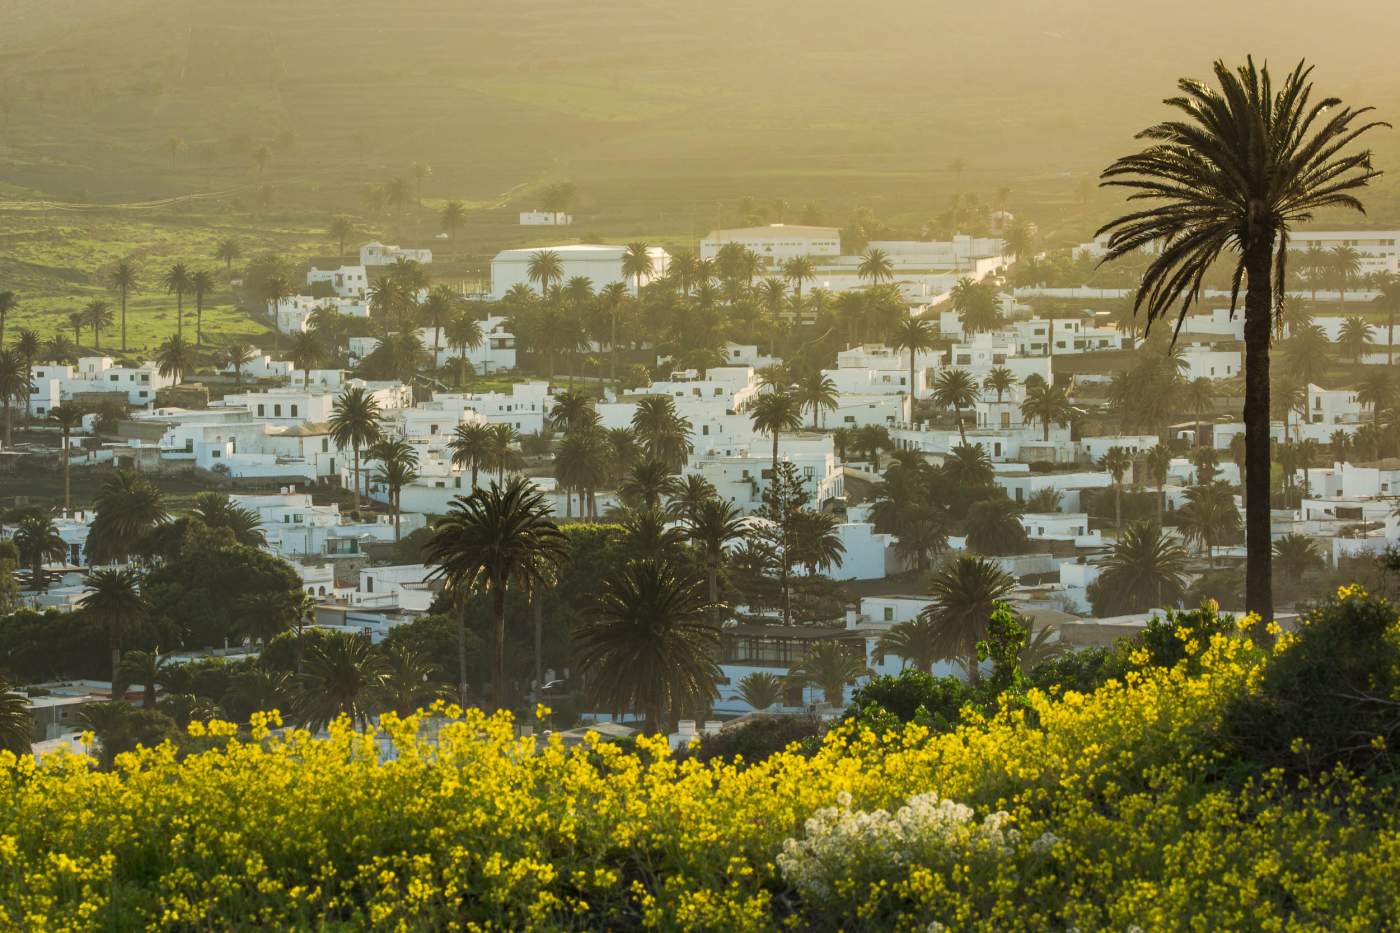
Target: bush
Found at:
909, 696
1330, 697
758, 739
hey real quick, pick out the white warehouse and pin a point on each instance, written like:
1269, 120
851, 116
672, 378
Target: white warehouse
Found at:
600, 263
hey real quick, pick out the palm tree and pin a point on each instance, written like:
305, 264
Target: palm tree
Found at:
817, 392
398, 467
829, 665
77, 320
344, 676
759, 689
201, 285
114, 599
340, 229
454, 214
123, 279
582, 463
503, 455
710, 527
773, 413
955, 389
1199, 397
177, 282
1116, 461
67, 417
16, 725
14, 385
238, 355
1354, 339
915, 335
305, 353
228, 250
275, 289
471, 448
875, 266
355, 423
688, 495
637, 262
916, 642
1146, 570
1345, 264
1047, 403
1376, 391
1002, 379
664, 435
797, 270
38, 542
140, 667
647, 483
965, 593
175, 358
994, 526
463, 333
9, 301
408, 684
545, 269
1389, 299
128, 507
1209, 517
1295, 555
97, 314
61, 350
216, 510
487, 539
612, 298
1243, 165
649, 648
1157, 463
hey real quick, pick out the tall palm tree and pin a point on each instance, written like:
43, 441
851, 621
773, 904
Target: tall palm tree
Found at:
486, 540
582, 463
710, 527
408, 684
647, 484
545, 269
797, 270
228, 250
965, 592
916, 642
124, 278
16, 725
503, 455
463, 332
612, 298
67, 417
1354, 339
454, 214
829, 666
175, 358
238, 355
875, 266
398, 467
344, 676
14, 385
140, 667
1001, 380
305, 352
1389, 299
817, 392
1146, 570
114, 599
649, 648
687, 495
955, 389
471, 448
1376, 391
38, 542
97, 314
1157, 462
177, 281
663, 433
915, 335
1117, 461
1345, 264
1242, 166
355, 423
637, 262
9, 301
773, 413
128, 508
1209, 517
202, 285
216, 510
1047, 403
1295, 555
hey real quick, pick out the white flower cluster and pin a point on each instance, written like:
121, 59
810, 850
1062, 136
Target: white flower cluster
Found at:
843, 848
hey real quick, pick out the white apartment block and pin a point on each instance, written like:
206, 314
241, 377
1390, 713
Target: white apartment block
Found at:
1043, 337
294, 312
1333, 406
524, 407
599, 263
345, 281
1379, 249
1205, 362
378, 254
51, 384
776, 242
545, 219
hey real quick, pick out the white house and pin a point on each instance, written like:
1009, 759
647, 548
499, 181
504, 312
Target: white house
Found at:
599, 263
345, 281
1206, 362
545, 219
378, 254
54, 383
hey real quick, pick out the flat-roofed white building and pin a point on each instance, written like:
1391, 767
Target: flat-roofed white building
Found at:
1379, 249
601, 263
346, 281
545, 219
380, 254
776, 242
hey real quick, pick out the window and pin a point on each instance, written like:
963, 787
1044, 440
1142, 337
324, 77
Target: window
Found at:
277, 411
114, 378
142, 394
809, 472
294, 411
261, 411
216, 453
325, 445
889, 613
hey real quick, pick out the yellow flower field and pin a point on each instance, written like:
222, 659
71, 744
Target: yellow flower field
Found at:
1106, 811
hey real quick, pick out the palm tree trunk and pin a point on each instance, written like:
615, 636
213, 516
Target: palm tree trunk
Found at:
67, 499
356, 480
713, 568
1257, 318
1390, 335
7, 422
179, 315
539, 640
199, 321
962, 433
123, 320
1161, 504
1118, 506
498, 606
612, 349
462, 655
974, 670
395, 497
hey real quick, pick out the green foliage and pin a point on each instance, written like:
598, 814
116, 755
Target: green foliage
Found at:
887, 702
759, 739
